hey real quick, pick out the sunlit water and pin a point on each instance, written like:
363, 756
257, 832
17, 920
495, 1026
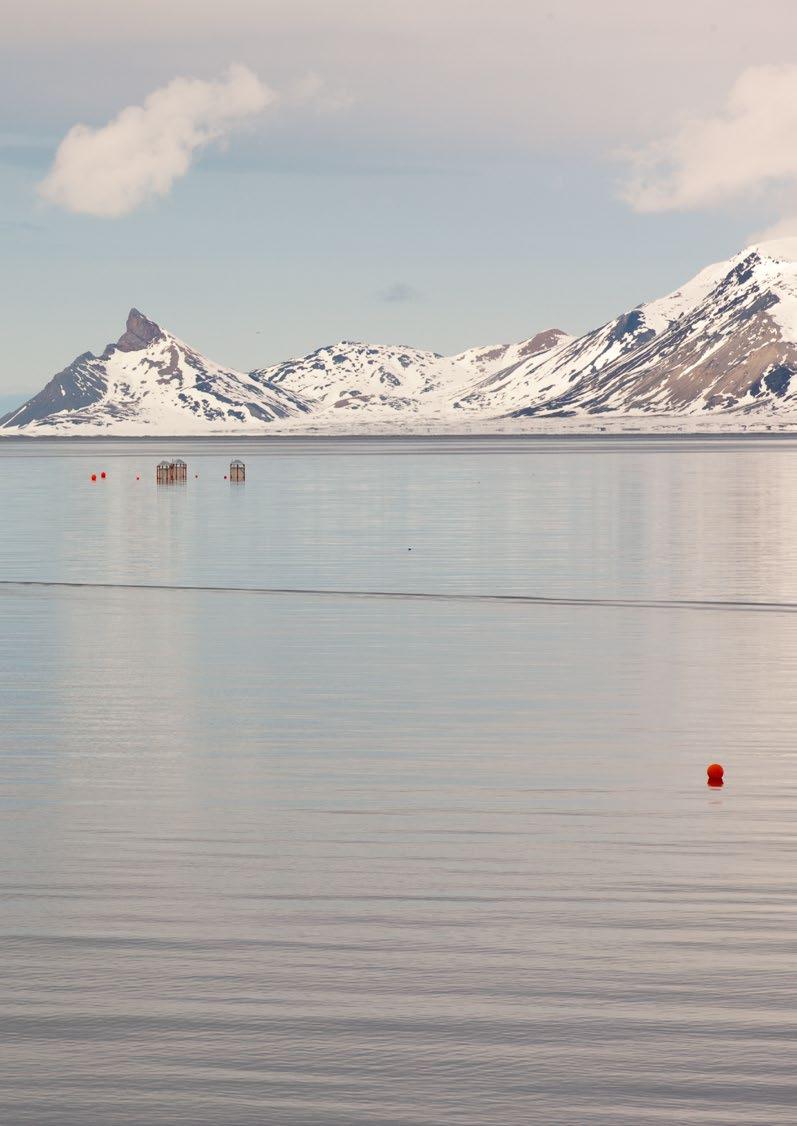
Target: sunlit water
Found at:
327, 858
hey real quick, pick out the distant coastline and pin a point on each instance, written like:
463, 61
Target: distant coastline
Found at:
541, 435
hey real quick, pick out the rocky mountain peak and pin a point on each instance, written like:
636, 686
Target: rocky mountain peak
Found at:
139, 333
543, 341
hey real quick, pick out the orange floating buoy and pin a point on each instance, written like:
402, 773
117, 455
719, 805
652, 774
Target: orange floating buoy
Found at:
715, 774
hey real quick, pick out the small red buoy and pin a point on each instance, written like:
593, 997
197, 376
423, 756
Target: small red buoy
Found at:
138, 478
94, 476
715, 774
103, 475
225, 476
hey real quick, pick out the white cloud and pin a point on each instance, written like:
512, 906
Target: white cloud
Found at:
714, 160
139, 155
312, 90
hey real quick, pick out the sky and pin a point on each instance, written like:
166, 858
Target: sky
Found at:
264, 177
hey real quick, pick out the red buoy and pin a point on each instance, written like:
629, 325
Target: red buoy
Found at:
715, 774
225, 476
103, 475
138, 478
94, 476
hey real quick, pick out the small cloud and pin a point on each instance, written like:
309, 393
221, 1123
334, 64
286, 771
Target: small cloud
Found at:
313, 91
712, 160
398, 292
140, 154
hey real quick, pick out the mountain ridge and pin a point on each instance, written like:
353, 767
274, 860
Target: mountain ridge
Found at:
725, 343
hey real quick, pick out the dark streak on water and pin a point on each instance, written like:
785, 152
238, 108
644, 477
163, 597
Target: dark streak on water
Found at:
526, 599
397, 847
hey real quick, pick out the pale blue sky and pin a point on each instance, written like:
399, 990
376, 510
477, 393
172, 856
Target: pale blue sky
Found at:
456, 183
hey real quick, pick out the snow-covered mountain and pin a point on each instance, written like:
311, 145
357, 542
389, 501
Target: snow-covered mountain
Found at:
354, 377
380, 381
723, 344
151, 382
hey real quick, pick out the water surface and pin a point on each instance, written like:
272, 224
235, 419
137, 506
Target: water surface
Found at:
342, 857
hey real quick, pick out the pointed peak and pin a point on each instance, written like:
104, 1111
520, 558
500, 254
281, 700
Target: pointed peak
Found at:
778, 249
139, 332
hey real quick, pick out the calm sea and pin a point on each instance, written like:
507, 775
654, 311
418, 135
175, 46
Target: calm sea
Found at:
286, 838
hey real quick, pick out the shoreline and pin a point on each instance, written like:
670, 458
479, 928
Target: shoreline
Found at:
714, 436
590, 428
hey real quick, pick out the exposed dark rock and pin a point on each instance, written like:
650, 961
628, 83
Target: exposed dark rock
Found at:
632, 324
778, 379
542, 342
140, 332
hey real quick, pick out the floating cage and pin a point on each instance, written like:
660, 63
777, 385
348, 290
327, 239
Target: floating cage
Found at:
237, 470
171, 472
